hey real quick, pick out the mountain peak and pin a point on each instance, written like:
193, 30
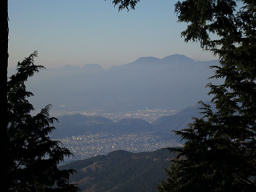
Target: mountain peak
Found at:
177, 58
146, 60
171, 59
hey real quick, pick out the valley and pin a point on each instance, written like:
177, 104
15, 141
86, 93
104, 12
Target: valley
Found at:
89, 136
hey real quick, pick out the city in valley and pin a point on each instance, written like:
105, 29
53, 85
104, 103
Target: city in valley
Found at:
85, 146
91, 144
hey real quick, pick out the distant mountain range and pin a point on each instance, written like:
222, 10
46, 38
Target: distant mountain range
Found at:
122, 171
172, 82
77, 124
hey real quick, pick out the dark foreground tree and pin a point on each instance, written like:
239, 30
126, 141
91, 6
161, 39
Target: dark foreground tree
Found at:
34, 157
3, 90
125, 4
219, 152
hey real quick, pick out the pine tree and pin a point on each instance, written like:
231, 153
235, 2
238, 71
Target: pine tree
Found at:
219, 152
33, 155
3, 90
125, 4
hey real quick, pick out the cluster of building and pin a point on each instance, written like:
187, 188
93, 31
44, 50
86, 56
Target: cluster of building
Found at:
86, 146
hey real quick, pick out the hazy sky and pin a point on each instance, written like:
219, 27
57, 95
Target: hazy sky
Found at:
77, 32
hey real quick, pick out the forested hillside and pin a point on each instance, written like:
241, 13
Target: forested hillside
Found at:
121, 171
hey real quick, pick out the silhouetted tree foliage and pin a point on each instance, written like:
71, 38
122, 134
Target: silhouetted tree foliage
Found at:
3, 90
125, 4
219, 152
33, 155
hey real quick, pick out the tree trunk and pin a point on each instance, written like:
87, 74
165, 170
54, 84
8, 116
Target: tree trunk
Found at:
4, 31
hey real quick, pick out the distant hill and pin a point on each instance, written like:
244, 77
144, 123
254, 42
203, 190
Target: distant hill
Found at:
169, 60
121, 171
73, 125
87, 136
76, 124
171, 82
178, 121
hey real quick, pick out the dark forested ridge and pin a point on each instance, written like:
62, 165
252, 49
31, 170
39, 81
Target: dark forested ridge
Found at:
121, 171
